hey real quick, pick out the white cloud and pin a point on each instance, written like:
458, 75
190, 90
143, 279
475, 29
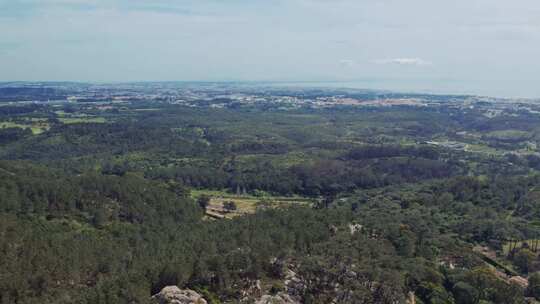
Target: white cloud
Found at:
347, 63
404, 61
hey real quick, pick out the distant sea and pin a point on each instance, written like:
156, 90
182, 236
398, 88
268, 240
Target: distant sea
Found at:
493, 88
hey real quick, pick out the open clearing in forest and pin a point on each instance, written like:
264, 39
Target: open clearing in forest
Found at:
74, 120
37, 126
245, 204
531, 244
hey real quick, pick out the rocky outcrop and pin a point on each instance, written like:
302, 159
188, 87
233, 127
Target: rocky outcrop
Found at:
280, 298
248, 290
175, 295
294, 284
411, 298
354, 228
521, 281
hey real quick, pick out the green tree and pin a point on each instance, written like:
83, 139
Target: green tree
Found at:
523, 260
99, 218
229, 206
203, 201
464, 293
534, 285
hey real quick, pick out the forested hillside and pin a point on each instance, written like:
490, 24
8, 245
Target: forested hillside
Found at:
109, 203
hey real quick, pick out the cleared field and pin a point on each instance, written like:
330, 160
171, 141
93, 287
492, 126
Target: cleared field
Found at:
509, 135
74, 120
224, 194
532, 244
245, 204
149, 109
37, 126
480, 148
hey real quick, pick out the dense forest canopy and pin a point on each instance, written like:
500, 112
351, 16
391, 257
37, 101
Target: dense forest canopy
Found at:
109, 202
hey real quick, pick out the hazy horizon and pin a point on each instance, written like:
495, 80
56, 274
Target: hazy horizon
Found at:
476, 47
395, 86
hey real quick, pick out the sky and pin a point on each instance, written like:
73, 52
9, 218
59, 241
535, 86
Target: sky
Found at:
487, 47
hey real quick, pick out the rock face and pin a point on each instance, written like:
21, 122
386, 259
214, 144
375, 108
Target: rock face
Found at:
280, 298
250, 289
295, 285
354, 228
175, 295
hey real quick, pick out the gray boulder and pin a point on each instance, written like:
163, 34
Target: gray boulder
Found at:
280, 298
175, 295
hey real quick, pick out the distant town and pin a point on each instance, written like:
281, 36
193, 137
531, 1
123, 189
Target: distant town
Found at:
231, 95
